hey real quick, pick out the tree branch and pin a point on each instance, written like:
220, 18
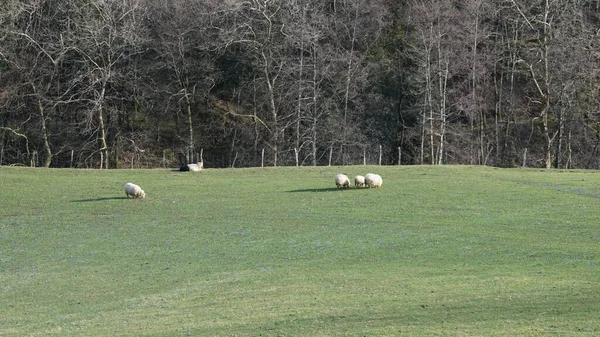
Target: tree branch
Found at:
537, 84
523, 15
37, 45
18, 135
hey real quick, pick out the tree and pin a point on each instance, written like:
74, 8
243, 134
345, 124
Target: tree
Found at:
135, 82
184, 48
432, 23
357, 27
103, 45
549, 49
37, 52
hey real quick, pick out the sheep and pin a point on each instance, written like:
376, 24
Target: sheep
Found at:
341, 180
359, 181
192, 167
373, 180
195, 167
134, 190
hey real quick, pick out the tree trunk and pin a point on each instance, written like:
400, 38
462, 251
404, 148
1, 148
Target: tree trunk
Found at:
569, 151
47, 149
347, 88
545, 92
429, 98
423, 132
45, 137
499, 90
101, 127
255, 114
443, 82
273, 109
300, 86
190, 122
474, 85
314, 109
559, 141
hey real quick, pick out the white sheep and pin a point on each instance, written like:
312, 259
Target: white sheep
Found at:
373, 180
359, 181
341, 180
195, 167
134, 191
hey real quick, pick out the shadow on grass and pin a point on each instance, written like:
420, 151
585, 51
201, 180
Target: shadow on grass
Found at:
562, 188
328, 189
99, 199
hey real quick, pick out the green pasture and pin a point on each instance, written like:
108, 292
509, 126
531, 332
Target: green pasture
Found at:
436, 251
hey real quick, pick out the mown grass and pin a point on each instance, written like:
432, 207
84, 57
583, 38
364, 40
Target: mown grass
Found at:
455, 251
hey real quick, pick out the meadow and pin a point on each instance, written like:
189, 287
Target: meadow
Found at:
437, 250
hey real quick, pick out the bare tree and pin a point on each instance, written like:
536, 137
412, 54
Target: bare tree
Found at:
183, 45
356, 30
38, 62
432, 23
549, 49
103, 43
306, 25
260, 32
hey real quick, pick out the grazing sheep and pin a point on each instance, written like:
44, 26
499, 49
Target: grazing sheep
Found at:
373, 180
341, 180
359, 181
134, 191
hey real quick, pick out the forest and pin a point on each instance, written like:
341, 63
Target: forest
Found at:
232, 83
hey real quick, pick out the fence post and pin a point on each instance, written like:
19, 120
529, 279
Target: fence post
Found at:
262, 158
399, 155
380, 154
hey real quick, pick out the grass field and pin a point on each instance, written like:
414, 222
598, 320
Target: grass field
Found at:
451, 250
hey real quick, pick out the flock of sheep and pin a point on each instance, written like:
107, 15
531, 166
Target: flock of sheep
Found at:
368, 180
341, 180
